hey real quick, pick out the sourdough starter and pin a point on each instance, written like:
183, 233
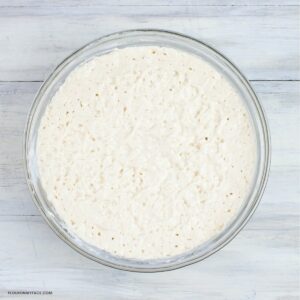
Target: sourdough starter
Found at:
146, 152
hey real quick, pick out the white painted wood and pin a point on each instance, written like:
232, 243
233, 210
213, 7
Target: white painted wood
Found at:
280, 100
261, 37
59, 3
262, 40
261, 263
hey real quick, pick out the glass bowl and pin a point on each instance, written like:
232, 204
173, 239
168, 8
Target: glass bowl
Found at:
143, 38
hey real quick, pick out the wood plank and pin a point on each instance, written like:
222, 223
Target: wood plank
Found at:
263, 40
260, 263
60, 3
280, 100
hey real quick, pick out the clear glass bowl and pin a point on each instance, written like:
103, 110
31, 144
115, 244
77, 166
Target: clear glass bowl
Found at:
142, 38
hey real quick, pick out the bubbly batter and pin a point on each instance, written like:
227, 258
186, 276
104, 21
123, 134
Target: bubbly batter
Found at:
146, 152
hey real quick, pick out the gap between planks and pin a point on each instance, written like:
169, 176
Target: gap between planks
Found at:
155, 5
251, 80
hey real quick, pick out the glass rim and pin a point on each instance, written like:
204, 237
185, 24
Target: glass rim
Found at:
221, 239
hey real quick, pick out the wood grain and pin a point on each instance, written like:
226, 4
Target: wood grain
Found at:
80, 3
262, 40
258, 264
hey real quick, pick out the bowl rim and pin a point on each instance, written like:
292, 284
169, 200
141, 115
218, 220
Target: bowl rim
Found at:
259, 109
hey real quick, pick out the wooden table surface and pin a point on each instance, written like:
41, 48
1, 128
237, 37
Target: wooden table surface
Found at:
262, 38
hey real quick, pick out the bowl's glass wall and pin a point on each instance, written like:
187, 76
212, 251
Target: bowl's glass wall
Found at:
142, 38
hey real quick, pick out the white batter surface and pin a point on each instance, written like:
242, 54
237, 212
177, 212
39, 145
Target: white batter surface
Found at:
146, 152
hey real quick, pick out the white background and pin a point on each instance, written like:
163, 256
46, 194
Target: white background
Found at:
262, 38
